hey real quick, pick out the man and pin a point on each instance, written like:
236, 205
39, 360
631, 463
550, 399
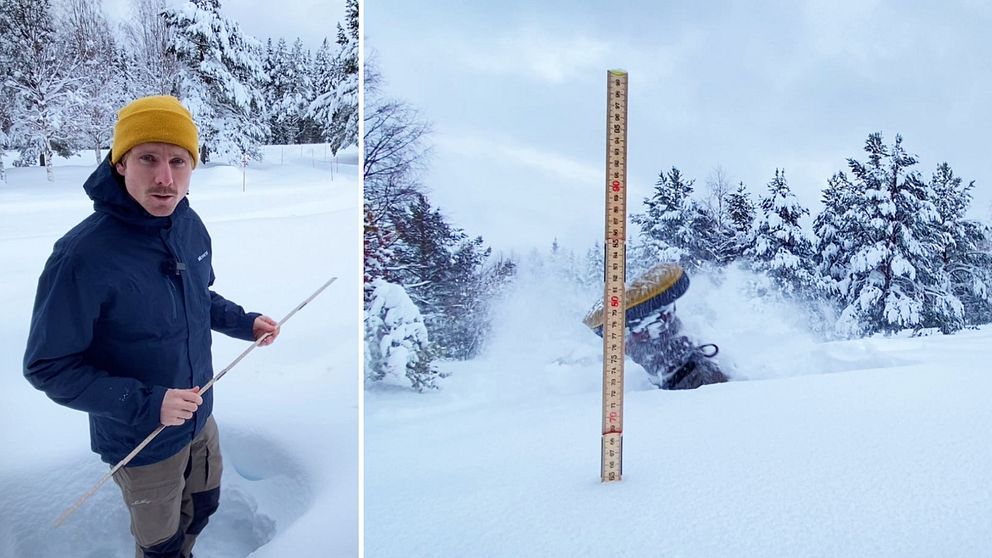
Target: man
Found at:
121, 327
654, 336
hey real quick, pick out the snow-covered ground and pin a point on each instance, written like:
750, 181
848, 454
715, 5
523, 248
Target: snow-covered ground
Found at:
875, 447
288, 414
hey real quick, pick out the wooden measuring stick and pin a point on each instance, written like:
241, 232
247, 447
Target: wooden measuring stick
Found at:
614, 309
65, 515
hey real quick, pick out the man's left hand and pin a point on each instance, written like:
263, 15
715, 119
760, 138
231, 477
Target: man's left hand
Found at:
265, 325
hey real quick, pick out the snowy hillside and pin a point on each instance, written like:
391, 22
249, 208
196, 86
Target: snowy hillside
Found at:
874, 447
287, 413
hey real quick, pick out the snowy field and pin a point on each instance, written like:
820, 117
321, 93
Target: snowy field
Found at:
288, 414
876, 447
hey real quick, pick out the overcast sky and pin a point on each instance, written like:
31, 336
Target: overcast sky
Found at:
311, 20
516, 91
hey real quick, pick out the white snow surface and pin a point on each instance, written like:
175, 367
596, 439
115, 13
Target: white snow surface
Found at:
288, 413
874, 447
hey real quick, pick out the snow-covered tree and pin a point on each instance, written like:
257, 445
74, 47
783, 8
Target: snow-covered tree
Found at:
964, 247
295, 104
834, 231
592, 266
395, 154
101, 89
337, 108
677, 228
4, 139
448, 274
396, 151
666, 222
322, 80
278, 90
741, 213
781, 248
397, 345
220, 79
5, 125
442, 269
890, 277
718, 188
154, 69
40, 73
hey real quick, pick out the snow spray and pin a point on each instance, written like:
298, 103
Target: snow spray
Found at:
614, 275
65, 515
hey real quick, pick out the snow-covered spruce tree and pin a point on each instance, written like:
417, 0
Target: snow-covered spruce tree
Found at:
220, 77
397, 346
890, 276
321, 77
40, 74
834, 233
563, 266
781, 249
308, 129
442, 269
296, 103
592, 267
678, 229
964, 253
711, 242
666, 225
336, 102
274, 89
288, 92
741, 213
470, 287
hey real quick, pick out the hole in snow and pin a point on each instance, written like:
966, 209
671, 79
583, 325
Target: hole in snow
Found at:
263, 491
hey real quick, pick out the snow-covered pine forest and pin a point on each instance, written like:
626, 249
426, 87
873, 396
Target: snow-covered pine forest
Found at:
891, 249
68, 68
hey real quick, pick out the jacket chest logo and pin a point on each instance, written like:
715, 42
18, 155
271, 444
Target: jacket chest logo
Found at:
203, 255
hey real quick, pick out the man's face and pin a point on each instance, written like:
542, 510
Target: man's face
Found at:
157, 176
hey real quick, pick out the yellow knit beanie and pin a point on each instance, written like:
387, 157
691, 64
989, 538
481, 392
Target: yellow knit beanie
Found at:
159, 118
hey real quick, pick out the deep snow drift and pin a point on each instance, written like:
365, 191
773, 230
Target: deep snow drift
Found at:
874, 447
287, 413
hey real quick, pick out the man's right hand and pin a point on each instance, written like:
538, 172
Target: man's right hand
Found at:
178, 405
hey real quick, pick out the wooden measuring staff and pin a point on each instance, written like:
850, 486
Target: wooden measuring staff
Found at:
611, 466
65, 515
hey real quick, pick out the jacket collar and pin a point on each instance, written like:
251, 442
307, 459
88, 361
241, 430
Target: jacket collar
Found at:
106, 188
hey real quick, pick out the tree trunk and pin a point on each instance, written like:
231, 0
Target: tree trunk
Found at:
49, 169
96, 151
3, 172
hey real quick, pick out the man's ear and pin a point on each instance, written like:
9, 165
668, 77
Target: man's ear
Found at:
120, 167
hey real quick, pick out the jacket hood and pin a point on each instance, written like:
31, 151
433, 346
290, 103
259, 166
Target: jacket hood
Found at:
107, 190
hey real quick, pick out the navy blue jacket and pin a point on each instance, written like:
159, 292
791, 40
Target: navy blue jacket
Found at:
116, 322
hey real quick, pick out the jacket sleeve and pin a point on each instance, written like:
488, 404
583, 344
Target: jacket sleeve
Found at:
66, 310
229, 318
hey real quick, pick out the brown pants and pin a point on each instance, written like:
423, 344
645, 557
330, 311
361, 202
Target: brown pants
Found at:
171, 501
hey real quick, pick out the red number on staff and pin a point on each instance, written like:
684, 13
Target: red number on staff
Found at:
614, 301
616, 185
